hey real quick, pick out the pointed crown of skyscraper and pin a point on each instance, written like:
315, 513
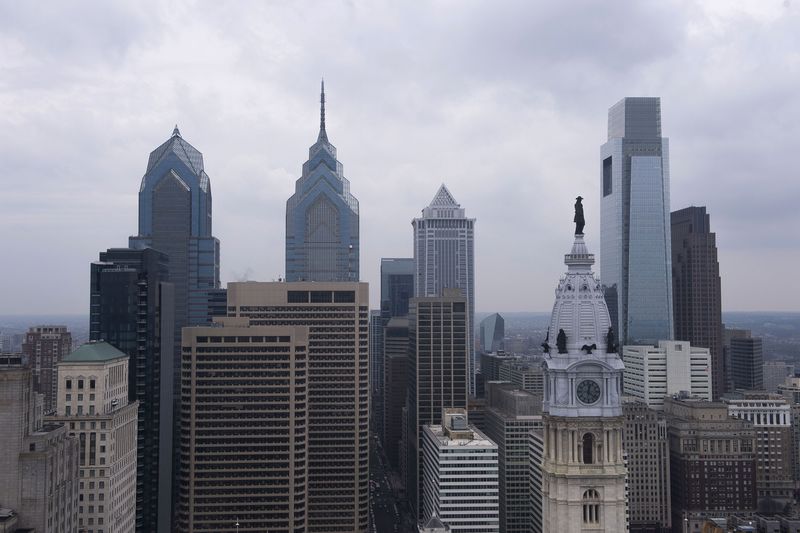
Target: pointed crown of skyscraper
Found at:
323, 135
176, 131
444, 198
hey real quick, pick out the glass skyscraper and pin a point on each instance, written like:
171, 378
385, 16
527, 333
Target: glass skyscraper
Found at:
175, 218
397, 286
635, 243
444, 258
322, 231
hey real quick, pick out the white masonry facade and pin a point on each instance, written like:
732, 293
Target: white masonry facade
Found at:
583, 469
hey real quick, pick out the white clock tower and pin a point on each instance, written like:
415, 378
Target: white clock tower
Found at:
583, 472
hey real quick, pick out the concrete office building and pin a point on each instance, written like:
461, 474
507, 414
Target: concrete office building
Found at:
771, 416
491, 332
775, 374
39, 462
790, 391
712, 461
322, 218
444, 258
438, 366
132, 308
635, 242
511, 414
461, 475
696, 287
43, 347
535, 461
395, 385
647, 451
490, 365
651, 373
93, 402
747, 363
525, 374
376, 362
337, 315
244, 428
583, 470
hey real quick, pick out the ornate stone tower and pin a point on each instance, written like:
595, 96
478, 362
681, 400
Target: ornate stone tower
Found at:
583, 473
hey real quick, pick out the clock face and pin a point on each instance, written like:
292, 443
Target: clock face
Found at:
588, 391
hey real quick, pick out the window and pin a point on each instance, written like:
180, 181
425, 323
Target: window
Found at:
591, 507
588, 448
607, 181
80, 383
69, 397
69, 383
91, 383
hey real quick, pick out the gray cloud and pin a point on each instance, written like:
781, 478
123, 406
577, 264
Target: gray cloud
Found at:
505, 102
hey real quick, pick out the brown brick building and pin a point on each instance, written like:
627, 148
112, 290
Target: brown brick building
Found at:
43, 348
712, 460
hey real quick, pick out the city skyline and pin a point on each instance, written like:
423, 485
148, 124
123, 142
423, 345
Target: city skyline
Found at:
483, 119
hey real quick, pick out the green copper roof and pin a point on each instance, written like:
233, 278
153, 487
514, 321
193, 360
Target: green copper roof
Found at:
94, 351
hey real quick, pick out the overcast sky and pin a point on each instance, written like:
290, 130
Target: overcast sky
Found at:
505, 102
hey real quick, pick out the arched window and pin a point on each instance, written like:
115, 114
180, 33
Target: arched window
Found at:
591, 507
588, 448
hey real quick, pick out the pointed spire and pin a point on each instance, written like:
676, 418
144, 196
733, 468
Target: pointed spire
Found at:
323, 135
176, 131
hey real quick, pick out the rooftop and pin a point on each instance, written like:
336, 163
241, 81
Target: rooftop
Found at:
93, 352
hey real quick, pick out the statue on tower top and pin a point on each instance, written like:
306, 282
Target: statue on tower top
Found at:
579, 220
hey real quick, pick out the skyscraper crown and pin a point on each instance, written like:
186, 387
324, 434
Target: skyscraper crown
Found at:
187, 153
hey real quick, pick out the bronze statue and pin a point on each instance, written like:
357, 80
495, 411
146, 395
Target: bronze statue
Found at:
579, 221
610, 346
561, 341
588, 348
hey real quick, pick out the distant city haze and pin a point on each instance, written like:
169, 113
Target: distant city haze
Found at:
506, 104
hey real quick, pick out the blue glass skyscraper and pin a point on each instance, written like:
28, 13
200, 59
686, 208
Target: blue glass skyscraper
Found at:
322, 226
175, 218
636, 257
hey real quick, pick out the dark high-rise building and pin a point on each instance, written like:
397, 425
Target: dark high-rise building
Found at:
438, 365
244, 428
43, 347
132, 308
697, 296
337, 315
397, 286
634, 223
395, 381
747, 363
491, 333
322, 228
